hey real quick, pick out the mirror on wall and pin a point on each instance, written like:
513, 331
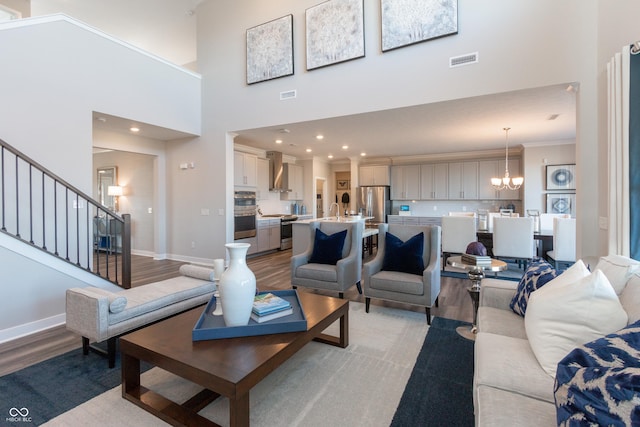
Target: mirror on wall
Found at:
107, 176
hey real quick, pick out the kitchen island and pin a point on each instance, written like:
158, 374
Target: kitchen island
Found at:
302, 231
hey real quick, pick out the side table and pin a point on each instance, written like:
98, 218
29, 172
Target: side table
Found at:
475, 274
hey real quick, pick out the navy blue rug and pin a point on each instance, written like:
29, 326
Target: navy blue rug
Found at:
439, 390
45, 390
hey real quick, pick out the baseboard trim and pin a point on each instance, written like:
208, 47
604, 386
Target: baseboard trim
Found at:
40, 325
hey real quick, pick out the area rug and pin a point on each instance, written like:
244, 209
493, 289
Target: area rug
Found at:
439, 391
321, 385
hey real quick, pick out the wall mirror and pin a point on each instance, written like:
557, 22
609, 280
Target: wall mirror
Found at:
107, 176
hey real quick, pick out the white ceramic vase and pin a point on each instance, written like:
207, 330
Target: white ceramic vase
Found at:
237, 287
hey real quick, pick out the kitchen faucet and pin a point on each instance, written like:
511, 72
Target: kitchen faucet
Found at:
337, 209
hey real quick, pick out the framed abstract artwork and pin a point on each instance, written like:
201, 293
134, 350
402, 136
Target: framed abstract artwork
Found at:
335, 32
561, 203
561, 177
406, 22
270, 50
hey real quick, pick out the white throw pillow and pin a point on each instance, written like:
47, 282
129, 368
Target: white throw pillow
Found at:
562, 317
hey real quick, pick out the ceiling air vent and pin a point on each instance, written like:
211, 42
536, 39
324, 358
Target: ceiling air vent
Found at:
457, 61
289, 94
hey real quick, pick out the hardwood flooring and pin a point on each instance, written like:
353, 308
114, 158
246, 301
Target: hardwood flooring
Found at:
272, 272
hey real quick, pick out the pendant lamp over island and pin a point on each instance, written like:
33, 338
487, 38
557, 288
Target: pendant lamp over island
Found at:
506, 182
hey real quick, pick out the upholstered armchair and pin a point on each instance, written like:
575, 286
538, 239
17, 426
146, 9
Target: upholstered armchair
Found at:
329, 264
405, 269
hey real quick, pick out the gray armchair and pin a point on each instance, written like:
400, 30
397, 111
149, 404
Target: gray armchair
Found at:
422, 290
339, 277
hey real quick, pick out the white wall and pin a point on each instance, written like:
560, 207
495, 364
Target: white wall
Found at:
55, 73
524, 44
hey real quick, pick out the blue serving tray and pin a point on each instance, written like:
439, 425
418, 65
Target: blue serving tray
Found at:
210, 327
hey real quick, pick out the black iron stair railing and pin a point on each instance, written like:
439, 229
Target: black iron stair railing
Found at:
44, 211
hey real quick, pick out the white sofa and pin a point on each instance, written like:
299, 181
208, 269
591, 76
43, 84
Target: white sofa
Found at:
98, 314
510, 386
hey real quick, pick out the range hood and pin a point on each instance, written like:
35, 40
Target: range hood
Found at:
277, 174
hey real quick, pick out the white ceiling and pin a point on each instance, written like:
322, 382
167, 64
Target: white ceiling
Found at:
167, 28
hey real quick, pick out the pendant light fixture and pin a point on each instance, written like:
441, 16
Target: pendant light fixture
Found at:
506, 182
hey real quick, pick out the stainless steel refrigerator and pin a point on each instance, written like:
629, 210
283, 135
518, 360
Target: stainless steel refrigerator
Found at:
374, 202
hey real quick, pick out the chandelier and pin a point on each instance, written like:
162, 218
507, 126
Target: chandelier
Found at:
506, 182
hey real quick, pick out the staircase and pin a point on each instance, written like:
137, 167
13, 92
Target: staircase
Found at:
42, 210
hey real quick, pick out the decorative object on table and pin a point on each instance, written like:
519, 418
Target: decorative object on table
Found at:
476, 248
507, 182
406, 22
335, 32
477, 260
535, 214
561, 203
483, 220
237, 286
211, 327
218, 270
561, 177
268, 303
270, 50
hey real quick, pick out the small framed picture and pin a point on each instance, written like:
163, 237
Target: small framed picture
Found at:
342, 184
561, 177
561, 203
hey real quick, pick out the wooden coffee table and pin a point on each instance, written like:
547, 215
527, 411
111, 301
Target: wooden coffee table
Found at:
225, 367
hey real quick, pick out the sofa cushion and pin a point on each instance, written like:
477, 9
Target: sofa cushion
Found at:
151, 297
630, 298
597, 383
404, 256
561, 316
618, 270
509, 364
501, 322
396, 281
538, 273
327, 248
495, 407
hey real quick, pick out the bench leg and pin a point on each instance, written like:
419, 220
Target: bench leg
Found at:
85, 346
111, 351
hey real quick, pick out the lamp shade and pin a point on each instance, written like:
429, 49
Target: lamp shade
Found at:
114, 190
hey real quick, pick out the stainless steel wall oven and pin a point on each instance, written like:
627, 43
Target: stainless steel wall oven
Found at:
244, 214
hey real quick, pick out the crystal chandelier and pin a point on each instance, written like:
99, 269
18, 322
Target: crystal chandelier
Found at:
507, 183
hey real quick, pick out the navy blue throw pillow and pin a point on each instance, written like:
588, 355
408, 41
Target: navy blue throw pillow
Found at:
327, 249
404, 256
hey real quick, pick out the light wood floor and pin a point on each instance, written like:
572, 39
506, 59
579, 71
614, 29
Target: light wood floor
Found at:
272, 272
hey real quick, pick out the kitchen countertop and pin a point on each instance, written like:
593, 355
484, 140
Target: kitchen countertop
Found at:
334, 219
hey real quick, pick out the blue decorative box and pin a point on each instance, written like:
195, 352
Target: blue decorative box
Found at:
210, 327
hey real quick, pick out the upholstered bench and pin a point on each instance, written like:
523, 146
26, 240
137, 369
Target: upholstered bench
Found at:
98, 314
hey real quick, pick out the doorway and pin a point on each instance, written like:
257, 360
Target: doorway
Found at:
320, 197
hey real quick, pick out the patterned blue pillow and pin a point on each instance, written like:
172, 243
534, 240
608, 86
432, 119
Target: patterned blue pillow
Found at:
538, 273
599, 382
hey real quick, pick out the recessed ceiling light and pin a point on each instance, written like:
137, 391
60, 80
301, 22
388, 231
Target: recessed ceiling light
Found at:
345, 147
319, 137
134, 129
308, 150
330, 156
278, 141
363, 154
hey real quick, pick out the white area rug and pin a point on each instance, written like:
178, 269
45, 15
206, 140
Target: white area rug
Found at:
321, 385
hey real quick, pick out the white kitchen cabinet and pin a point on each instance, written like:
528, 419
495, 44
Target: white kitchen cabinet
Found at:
434, 179
294, 177
244, 169
268, 234
262, 184
374, 175
405, 182
463, 181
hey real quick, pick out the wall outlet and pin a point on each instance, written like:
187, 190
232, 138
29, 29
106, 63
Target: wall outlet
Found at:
193, 245
204, 212
603, 223
221, 212
150, 210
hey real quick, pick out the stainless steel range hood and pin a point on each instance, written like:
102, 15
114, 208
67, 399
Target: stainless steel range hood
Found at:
277, 176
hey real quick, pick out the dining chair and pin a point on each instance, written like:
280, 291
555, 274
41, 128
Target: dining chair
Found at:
457, 233
513, 239
491, 216
564, 242
546, 220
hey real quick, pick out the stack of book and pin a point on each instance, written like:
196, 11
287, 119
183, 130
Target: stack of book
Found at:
269, 306
479, 260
